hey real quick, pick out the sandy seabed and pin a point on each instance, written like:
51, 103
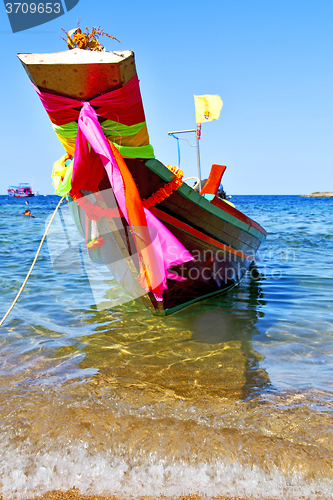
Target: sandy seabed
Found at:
74, 494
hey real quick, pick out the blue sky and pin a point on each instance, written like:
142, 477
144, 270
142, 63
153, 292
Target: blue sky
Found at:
270, 61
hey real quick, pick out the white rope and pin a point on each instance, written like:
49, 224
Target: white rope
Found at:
32, 265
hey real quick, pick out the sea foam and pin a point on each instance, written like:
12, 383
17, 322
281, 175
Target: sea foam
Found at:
26, 473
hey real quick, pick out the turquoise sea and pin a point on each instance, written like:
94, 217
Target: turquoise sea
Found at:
231, 397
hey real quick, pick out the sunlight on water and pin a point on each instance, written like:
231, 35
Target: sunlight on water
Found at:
229, 397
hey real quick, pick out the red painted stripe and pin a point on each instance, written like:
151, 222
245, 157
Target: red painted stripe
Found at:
197, 234
236, 213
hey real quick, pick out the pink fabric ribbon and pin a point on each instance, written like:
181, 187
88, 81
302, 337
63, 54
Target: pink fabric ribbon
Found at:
168, 251
122, 105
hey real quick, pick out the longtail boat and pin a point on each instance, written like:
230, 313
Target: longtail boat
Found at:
166, 244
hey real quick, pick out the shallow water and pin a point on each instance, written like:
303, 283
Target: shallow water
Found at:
229, 397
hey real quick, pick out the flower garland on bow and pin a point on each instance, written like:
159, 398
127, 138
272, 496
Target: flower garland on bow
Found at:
167, 190
94, 212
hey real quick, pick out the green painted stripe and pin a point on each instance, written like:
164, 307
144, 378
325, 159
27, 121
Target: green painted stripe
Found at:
189, 193
69, 131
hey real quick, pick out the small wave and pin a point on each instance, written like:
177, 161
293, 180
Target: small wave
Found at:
26, 474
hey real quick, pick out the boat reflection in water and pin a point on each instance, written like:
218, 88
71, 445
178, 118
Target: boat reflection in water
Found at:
207, 348
204, 352
233, 326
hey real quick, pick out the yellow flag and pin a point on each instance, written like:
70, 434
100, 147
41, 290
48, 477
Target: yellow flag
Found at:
207, 107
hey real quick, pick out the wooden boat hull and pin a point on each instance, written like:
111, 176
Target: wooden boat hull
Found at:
21, 195
222, 240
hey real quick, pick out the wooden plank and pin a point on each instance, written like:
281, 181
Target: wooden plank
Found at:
80, 74
191, 213
228, 213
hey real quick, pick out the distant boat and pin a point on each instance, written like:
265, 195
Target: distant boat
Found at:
23, 190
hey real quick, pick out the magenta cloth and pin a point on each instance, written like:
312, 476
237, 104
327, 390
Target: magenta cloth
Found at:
122, 105
168, 250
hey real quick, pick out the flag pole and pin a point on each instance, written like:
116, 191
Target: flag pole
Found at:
198, 136
207, 108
